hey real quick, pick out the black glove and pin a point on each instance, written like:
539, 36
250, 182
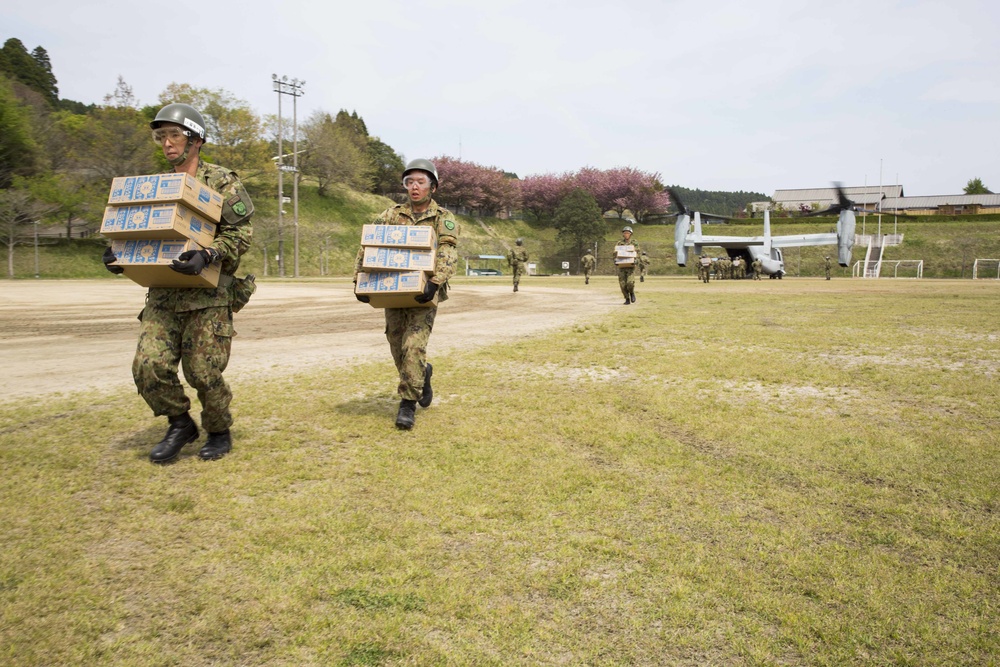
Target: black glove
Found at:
191, 262
429, 293
109, 262
363, 298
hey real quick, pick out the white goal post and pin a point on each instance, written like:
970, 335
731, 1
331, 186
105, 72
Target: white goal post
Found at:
990, 268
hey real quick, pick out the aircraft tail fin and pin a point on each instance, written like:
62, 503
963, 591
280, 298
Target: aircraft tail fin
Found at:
680, 236
767, 233
845, 237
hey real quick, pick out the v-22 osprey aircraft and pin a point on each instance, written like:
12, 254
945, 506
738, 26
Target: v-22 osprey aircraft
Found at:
766, 248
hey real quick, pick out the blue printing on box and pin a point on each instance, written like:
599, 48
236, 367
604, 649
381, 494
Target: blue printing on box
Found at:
391, 281
398, 257
398, 235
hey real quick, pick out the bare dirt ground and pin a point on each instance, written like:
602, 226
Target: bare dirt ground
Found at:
75, 335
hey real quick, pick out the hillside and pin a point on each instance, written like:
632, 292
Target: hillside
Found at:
329, 228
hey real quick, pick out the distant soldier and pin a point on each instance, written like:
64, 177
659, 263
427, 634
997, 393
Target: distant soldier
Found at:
737, 266
626, 274
758, 266
643, 264
704, 267
517, 258
827, 260
588, 262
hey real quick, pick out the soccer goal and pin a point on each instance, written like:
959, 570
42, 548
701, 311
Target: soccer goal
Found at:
904, 268
986, 269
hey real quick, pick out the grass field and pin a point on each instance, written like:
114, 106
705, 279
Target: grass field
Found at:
795, 472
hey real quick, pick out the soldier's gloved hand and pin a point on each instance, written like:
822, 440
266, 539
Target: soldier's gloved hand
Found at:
109, 260
363, 298
191, 262
429, 293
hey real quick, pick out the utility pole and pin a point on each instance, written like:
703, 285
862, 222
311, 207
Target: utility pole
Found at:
283, 86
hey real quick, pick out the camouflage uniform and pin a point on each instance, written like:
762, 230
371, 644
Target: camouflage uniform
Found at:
588, 262
757, 268
626, 274
827, 260
704, 267
409, 329
194, 326
643, 263
517, 258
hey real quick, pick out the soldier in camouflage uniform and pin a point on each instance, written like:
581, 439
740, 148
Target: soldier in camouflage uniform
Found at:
192, 326
626, 274
827, 260
643, 265
758, 266
517, 258
409, 329
588, 262
704, 267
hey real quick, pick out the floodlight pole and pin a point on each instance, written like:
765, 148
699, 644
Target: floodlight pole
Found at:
283, 86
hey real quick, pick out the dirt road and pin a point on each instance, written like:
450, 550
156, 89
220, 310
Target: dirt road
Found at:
65, 336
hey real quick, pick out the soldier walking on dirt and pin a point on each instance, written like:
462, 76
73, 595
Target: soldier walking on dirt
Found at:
409, 329
643, 265
758, 266
517, 258
626, 273
704, 267
193, 326
588, 262
827, 260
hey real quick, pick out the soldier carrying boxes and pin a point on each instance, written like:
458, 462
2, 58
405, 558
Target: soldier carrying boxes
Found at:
409, 253
188, 316
625, 256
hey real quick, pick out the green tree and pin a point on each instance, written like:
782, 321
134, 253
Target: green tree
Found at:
235, 132
18, 149
387, 166
975, 187
337, 153
579, 221
32, 69
115, 140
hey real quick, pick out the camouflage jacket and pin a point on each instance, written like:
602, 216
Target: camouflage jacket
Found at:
447, 228
517, 255
588, 262
231, 242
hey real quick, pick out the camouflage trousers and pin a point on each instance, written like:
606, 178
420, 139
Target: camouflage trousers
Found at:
200, 341
626, 281
518, 269
408, 330
586, 276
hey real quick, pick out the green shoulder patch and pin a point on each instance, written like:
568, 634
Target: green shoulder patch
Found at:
449, 225
239, 208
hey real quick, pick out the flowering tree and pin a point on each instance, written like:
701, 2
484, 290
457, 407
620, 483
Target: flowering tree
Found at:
541, 195
486, 190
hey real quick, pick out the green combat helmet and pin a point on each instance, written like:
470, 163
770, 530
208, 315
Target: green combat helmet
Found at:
519, 242
421, 164
626, 228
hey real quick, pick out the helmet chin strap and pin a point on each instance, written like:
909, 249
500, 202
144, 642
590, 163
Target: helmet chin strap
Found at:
182, 158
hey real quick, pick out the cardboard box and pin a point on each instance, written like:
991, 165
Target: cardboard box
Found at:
400, 259
165, 189
394, 289
157, 221
147, 262
399, 236
625, 251
625, 262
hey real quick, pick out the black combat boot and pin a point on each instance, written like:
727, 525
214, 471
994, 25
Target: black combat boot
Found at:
632, 296
182, 430
217, 446
405, 418
627, 302
428, 394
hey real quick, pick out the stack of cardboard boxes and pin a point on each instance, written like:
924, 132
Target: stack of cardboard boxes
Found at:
398, 262
151, 220
625, 256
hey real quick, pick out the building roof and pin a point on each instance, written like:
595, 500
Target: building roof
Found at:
829, 195
934, 201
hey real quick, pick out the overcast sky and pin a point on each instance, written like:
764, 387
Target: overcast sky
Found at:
719, 95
